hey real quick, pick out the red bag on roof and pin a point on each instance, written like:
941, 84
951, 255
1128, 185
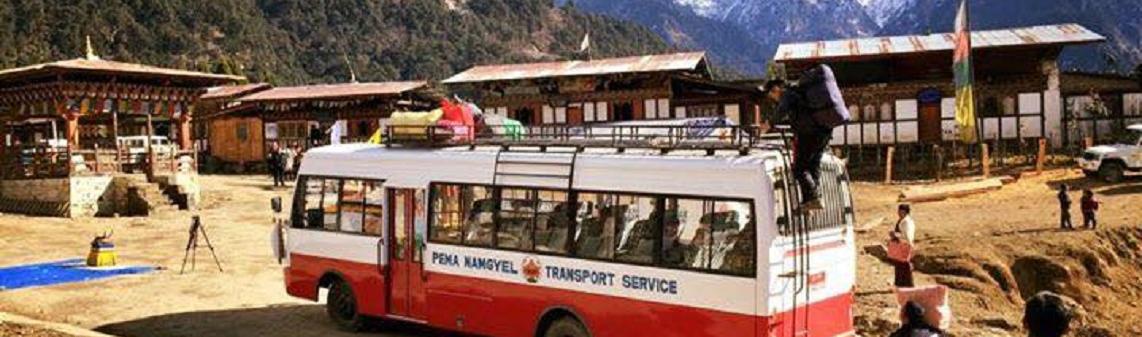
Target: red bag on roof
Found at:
457, 113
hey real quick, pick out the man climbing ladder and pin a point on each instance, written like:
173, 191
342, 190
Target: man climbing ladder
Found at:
812, 107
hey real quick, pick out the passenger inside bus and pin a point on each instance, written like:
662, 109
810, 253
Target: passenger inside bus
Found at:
597, 218
551, 229
517, 207
479, 223
673, 251
639, 227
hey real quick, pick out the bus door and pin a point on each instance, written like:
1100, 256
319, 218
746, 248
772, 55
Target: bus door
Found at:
406, 271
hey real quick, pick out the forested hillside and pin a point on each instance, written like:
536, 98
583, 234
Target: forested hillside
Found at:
308, 41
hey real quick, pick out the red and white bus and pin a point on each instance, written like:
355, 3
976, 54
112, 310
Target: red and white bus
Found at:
589, 242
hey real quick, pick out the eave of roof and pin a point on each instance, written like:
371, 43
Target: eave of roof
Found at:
690, 61
335, 91
872, 47
83, 65
233, 91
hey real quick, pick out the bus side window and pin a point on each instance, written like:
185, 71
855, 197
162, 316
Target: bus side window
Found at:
685, 237
638, 219
595, 235
374, 208
308, 211
330, 204
352, 206
446, 214
516, 219
734, 238
479, 207
552, 221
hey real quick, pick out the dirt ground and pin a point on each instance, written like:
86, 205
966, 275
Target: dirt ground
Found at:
14, 329
246, 299
958, 239
995, 249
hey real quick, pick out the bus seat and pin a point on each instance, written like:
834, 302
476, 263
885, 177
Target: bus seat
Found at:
589, 247
558, 240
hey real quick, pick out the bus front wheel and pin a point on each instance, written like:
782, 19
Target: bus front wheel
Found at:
566, 327
342, 307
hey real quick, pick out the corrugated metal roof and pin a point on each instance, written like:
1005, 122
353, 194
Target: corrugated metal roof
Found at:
887, 45
635, 64
334, 91
231, 91
98, 65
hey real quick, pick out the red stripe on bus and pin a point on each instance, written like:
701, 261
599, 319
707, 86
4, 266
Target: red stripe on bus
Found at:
816, 248
506, 309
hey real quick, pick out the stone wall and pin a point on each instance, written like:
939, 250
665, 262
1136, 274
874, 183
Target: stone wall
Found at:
35, 196
46, 190
70, 197
91, 196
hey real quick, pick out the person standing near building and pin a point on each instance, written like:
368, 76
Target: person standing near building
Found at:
275, 161
1065, 208
298, 153
904, 233
1089, 206
315, 135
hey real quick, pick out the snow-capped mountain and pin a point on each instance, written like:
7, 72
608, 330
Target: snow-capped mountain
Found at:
1118, 20
744, 34
883, 10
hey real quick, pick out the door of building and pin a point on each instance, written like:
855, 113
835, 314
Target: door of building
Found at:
574, 115
930, 123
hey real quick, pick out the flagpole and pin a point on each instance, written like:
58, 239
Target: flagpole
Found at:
975, 106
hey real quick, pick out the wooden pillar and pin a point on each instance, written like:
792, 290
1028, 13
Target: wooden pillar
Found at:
1042, 157
888, 165
184, 139
72, 120
115, 126
985, 159
150, 151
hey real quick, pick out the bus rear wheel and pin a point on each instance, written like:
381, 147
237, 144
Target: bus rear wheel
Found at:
566, 327
342, 307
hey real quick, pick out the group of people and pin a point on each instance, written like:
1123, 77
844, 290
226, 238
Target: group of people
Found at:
283, 163
1045, 314
1087, 204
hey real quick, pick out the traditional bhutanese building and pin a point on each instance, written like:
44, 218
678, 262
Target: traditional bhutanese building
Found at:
246, 124
74, 131
648, 87
899, 88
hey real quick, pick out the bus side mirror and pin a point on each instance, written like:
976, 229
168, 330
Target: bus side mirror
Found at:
276, 204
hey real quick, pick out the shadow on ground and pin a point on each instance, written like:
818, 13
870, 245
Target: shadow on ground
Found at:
1079, 183
279, 321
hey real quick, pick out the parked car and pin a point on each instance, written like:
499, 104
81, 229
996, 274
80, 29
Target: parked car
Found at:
136, 147
1112, 162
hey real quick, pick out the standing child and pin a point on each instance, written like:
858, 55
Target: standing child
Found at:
1065, 208
1089, 206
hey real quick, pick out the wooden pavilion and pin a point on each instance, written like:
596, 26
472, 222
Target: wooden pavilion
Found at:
70, 127
301, 117
648, 87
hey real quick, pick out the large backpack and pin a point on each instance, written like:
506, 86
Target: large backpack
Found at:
822, 97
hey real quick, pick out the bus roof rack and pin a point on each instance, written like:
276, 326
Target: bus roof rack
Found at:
664, 138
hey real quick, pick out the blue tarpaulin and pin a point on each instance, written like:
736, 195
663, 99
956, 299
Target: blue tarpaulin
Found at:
57, 272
